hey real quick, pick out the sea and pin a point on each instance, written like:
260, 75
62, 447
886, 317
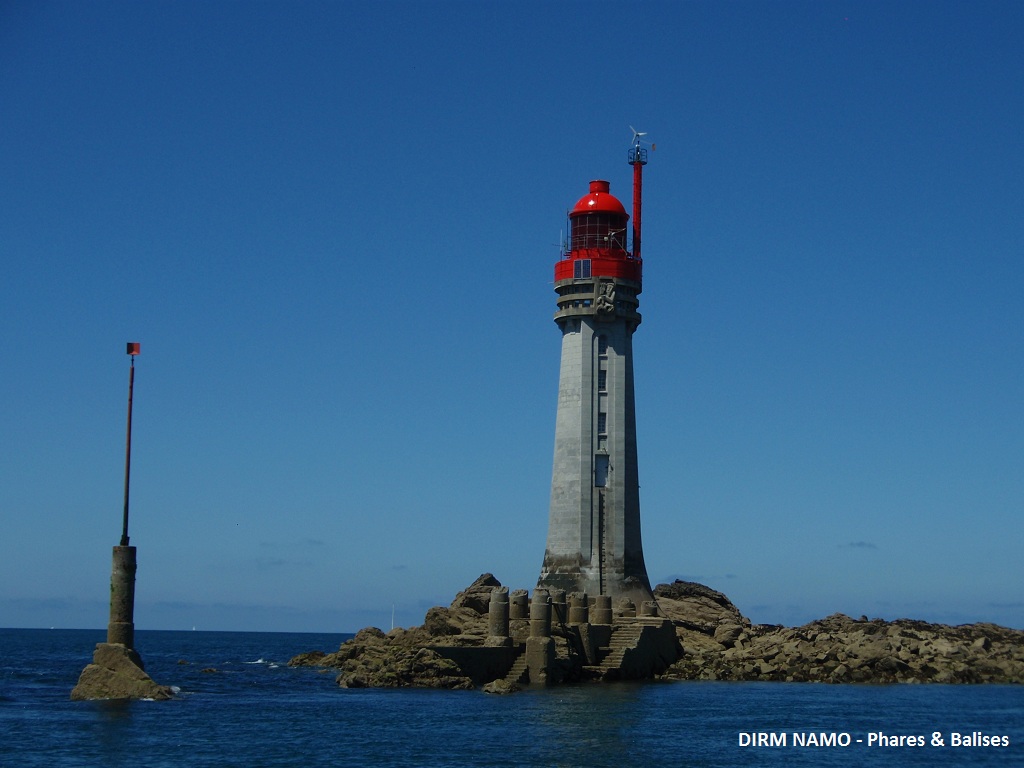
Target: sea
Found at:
238, 703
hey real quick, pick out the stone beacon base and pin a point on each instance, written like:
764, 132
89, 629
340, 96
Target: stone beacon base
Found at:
117, 672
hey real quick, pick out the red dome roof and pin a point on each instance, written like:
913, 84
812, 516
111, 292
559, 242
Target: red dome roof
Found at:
600, 200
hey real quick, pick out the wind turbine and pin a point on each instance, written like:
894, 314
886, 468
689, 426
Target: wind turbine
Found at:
638, 138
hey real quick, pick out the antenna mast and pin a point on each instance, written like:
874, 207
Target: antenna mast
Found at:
638, 159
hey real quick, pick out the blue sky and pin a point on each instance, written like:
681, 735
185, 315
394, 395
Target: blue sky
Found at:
332, 227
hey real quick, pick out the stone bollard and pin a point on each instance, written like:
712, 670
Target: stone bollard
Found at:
540, 614
540, 659
497, 613
558, 608
121, 628
519, 605
648, 608
627, 609
578, 613
602, 610
540, 647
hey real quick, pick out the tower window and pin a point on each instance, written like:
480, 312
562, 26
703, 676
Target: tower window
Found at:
602, 423
581, 269
602, 380
602, 345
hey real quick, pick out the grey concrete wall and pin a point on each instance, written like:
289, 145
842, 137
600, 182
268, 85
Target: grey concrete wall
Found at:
480, 664
593, 548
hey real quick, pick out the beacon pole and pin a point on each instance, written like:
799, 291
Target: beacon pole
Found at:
133, 349
121, 628
638, 159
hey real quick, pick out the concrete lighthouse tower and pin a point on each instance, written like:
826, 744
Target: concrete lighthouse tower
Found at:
593, 543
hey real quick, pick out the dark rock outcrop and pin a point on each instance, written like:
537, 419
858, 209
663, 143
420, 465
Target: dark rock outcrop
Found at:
403, 658
836, 649
715, 642
116, 672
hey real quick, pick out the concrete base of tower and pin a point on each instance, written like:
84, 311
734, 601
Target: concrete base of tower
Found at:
634, 591
566, 572
571, 574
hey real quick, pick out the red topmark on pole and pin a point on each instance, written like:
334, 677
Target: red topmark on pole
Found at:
134, 347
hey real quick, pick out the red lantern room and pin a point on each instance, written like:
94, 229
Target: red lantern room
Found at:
597, 239
598, 220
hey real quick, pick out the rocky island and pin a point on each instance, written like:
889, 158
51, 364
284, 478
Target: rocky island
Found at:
486, 638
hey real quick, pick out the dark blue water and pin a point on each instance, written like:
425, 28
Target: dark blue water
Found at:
256, 711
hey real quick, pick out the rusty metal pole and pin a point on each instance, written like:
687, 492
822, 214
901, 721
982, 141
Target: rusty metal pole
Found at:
128, 444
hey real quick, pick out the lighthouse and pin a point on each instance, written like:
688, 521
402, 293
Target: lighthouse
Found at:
593, 542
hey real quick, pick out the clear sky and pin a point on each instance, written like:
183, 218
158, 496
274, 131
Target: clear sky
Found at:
332, 226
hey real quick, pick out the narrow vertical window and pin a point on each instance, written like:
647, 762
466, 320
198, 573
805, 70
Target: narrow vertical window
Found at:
581, 269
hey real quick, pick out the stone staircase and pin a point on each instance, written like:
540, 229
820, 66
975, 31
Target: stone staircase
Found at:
635, 648
625, 637
518, 675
